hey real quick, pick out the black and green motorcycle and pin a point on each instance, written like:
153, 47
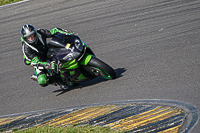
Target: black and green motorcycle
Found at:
74, 61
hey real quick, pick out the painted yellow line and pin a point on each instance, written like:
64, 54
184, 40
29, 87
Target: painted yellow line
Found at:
71, 115
128, 117
172, 130
8, 120
131, 118
84, 115
3, 120
130, 123
147, 121
142, 114
134, 123
91, 115
81, 117
145, 118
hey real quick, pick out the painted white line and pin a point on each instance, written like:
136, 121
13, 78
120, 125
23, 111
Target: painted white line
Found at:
14, 3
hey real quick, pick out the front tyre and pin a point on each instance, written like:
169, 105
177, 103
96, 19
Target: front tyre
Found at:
101, 69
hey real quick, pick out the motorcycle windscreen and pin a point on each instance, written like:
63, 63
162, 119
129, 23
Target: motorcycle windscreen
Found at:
62, 47
58, 53
61, 41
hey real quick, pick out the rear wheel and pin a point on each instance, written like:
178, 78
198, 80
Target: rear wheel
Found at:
101, 69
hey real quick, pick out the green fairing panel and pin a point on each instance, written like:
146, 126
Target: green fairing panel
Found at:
85, 45
72, 72
62, 72
86, 59
70, 65
81, 77
73, 64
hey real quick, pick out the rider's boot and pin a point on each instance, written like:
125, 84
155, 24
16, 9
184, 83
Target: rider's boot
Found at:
43, 80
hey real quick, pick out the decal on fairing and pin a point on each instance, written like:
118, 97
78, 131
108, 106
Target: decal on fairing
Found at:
67, 45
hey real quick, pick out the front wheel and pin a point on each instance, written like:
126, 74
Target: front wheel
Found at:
101, 69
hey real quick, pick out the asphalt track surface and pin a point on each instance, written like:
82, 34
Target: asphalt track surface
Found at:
153, 46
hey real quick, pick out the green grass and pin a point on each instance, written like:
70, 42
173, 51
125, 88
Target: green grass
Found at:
3, 2
70, 129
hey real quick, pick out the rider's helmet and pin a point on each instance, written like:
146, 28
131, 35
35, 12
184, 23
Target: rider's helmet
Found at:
29, 34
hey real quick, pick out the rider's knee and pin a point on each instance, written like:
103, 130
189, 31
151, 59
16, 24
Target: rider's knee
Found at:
42, 80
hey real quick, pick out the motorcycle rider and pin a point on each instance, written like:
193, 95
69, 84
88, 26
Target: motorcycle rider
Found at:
35, 47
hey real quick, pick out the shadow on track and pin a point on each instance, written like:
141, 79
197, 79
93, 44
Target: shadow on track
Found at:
119, 72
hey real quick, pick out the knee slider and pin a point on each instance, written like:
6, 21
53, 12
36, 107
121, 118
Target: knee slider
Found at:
42, 79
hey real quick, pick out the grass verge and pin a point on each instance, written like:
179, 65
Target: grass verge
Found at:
4, 2
70, 129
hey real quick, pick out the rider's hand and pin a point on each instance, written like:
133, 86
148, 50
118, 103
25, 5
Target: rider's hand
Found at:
50, 65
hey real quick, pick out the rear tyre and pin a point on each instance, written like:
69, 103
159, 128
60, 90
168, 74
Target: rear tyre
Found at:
101, 69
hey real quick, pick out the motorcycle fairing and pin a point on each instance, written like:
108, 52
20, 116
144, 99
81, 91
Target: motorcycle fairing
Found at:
60, 47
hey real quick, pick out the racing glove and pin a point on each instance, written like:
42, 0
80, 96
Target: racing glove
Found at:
47, 65
50, 65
